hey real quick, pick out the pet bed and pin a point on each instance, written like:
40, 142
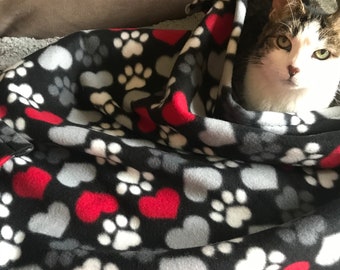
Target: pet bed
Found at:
124, 149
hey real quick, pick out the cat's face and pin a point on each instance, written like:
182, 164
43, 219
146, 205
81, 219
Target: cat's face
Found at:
297, 56
301, 58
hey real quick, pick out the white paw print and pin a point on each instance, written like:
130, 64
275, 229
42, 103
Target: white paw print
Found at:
19, 124
134, 77
309, 156
18, 161
231, 209
9, 245
104, 153
134, 181
302, 120
256, 258
131, 43
96, 264
222, 163
24, 94
18, 69
325, 178
5, 200
223, 247
121, 233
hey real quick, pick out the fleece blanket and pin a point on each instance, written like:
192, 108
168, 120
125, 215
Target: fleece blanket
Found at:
124, 149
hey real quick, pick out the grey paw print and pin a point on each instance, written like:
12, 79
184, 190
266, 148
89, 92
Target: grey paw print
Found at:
64, 89
168, 162
91, 52
306, 231
260, 147
193, 67
144, 255
294, 204
53, 155
9, 135
63, 253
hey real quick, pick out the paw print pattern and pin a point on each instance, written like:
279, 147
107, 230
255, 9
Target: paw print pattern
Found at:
260, 147
63, 253
257, 256
113, 129
91, 51
231, 209
9, 245
120, 234
207, 151
53, 155
24, 94
134, 181
167, 93
325, 178
194, 41
7, 133
302, 120
224, 248
19, 69
16, 161
105, 153
143, 255
193, 66
294, 204
131, 43
134, 77
164, 161
64, 90
222, 163
172, 138
309, 156
19, 125
96, 264
5, 201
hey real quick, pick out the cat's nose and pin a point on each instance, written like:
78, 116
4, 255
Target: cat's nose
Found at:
293, 70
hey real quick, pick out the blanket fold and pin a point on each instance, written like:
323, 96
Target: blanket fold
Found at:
125, 149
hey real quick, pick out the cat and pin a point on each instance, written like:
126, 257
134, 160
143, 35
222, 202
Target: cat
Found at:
295, 65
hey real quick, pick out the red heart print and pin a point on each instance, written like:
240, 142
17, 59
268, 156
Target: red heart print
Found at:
3, 111
163, 206
298, 266
43, 116
332, 160
91, 205
176, 112
220, 27
145, 123
32, 183
170, 37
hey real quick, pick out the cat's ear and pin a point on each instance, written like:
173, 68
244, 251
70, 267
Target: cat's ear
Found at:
283, 8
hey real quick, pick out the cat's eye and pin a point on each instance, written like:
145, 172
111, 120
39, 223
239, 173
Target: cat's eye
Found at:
284, 43
322, 54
